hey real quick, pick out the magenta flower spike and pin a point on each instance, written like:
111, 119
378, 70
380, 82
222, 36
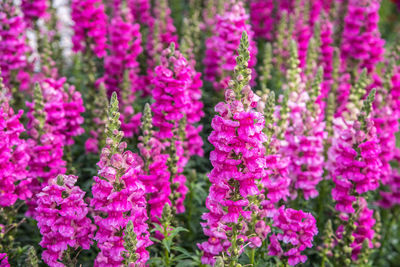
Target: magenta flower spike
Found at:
303, 141
122, 69
4, 260
34, 10
46, 144
125, 46
155, 176
141, 11
14, 157
361, 42
221, 47
13, 47
64, 108
62, 219
356, 170
262, 18
238, 140
118, 198
172, 81
90, 26
298, 229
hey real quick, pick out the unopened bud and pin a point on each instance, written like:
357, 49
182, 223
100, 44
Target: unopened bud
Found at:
347, 249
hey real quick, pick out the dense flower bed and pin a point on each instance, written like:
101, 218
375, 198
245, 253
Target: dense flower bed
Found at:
199, 133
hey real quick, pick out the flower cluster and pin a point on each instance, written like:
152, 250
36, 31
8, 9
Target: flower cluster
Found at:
73, 110
33, 10
125, 46
173, 77
155, 176
62, 219
121, 65
64, 108
304, 137
238, 140
276, 184
194, 113
141, 11
364, 230
355, 170
14, 157
13, 46
45, 146
262, 19
221, 46
297, 231
171, 93
90, 26
358, 169
361, 40
4, 260
326, 57
385, 116
118, 197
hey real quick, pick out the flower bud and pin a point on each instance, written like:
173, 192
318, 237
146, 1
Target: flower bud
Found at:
117, 161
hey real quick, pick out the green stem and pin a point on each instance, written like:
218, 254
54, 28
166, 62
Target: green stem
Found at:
166, 253
252, 257
233, 259
323, 260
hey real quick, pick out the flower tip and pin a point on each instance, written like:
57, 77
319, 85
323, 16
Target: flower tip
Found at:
114, 99
171, 48
245, 37
60, 180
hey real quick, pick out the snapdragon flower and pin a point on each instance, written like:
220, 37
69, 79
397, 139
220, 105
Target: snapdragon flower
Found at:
385, 115
361, 45
14, 157
219, 60
33, 10
304, 137
194, 111
356, 169
13, 47
298, 229
357, 166
238, 140
155, 176
118, 198
4, 260
141, 11
62, 219
64, 108
262, 18
45, 145
90, 24
172, 81
121, 69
